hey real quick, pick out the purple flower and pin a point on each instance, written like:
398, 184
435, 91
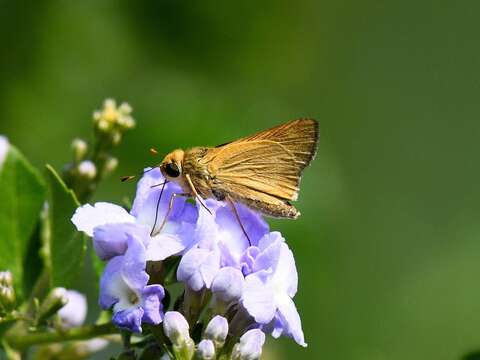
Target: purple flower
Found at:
250, 346
268, 292
124, 286
219, 242
230, 237
176, 235
109, 224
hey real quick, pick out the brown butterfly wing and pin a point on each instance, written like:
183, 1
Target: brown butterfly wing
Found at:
300, 137
267, 166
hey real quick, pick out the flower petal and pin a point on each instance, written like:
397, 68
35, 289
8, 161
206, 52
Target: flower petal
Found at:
266, 262
286, 277
111, 240
164, 245
129, 319
258, 299
228, 284
288, 316
198, 267
152, 296
112, 285
135, 260
145, 207
87, 217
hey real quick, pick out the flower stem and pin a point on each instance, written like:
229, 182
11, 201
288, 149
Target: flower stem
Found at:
23, 341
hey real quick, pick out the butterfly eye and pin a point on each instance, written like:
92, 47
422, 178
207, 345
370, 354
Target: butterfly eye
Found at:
172, 170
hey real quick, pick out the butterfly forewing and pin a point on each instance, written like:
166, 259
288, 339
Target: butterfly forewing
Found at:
267, 166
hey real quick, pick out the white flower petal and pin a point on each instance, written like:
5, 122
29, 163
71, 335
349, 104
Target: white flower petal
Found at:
285, 278
164, 245
290, 319
258, 299
88, 217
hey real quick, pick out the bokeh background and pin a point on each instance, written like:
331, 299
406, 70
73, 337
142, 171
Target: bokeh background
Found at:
388, 246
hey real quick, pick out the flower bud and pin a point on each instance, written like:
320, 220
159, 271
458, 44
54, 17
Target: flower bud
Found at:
177, 330
79, 149
6, 278
205, 350
55, 300
217, 330
176, 327
250, 346
110, 165
7, 297
75, 311
113, 117
116, 137
87, 169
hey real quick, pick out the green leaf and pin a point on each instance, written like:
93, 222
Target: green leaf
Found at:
64, 247
22, 194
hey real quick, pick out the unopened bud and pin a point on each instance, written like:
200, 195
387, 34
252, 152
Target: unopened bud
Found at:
250, 346
110, 165
217, 330
116, 137
176, 327
205, 350
6, 278
125, 108
75, 311
177, 330
79, 149
87, 169
7, 297
55, 300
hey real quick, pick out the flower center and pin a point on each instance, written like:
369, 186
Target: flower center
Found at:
133, 298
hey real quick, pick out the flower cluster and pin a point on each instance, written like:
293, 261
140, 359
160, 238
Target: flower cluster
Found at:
239, 282
93, 162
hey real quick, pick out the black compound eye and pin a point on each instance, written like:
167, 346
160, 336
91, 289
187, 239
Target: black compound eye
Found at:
172, 170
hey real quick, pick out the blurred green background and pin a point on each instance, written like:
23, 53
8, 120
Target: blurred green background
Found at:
388, 244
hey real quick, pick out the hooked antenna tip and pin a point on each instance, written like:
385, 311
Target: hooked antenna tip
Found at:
126, 178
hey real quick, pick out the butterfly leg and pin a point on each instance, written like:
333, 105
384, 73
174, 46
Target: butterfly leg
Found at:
237, 216
170, 207
194, 191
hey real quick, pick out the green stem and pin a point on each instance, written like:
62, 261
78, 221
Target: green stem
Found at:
23, 341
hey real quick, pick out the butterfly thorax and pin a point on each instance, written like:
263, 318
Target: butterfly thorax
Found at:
198, 171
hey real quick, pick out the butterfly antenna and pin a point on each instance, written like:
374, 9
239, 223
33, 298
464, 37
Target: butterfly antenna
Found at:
158, 206
130, 177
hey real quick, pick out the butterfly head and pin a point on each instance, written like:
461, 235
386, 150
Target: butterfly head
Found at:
171, 166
